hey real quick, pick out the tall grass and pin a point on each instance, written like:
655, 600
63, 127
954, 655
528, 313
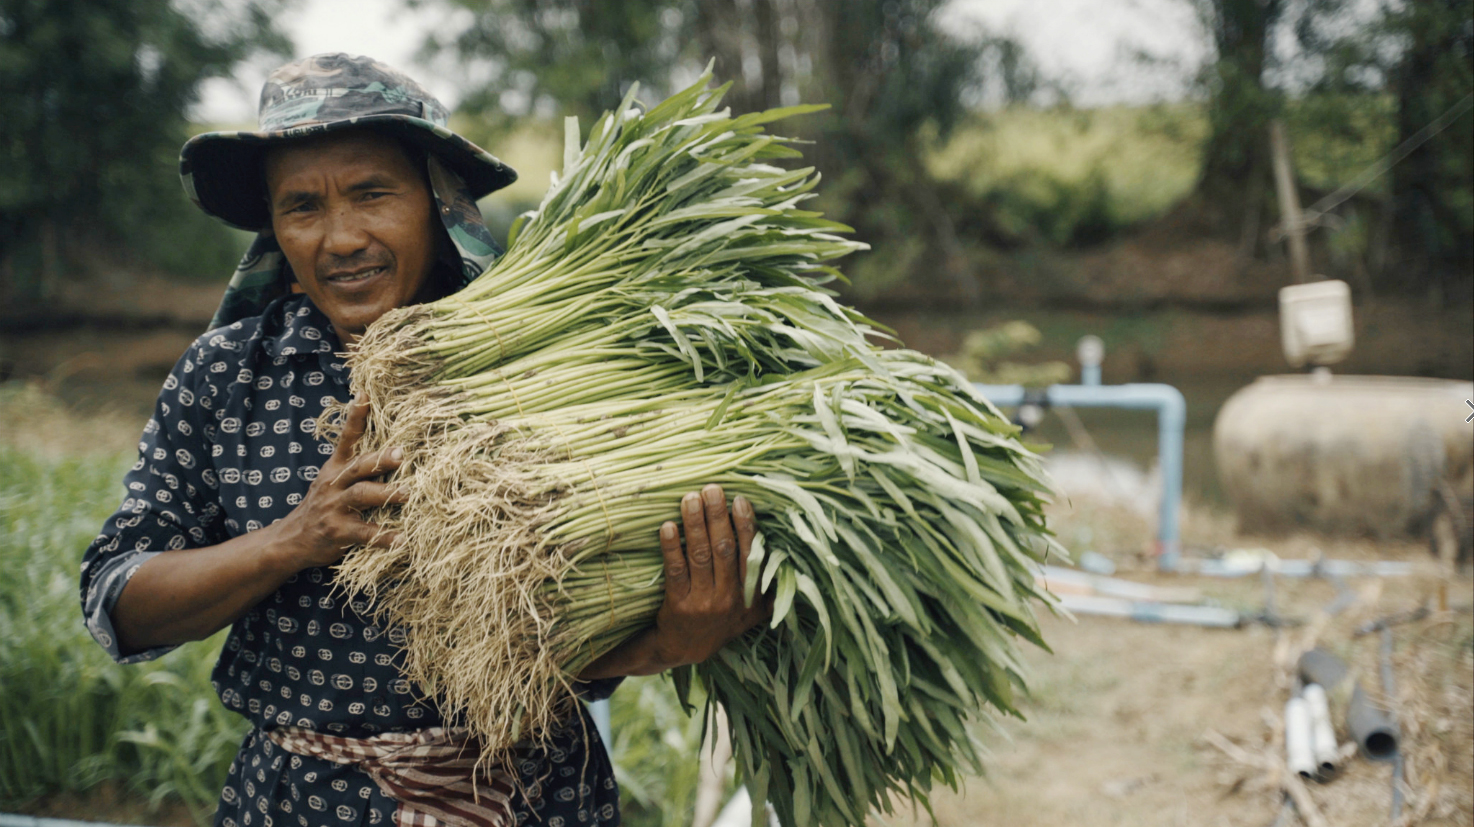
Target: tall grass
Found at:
70, 718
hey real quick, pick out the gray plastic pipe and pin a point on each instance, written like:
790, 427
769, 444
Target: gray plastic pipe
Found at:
1171, 411
1374, 730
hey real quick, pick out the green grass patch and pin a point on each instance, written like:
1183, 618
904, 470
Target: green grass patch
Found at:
70, 718
1071, 177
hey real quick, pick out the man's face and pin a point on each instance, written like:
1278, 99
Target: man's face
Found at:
353, 217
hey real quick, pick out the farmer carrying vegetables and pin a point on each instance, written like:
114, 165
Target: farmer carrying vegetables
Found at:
362, 201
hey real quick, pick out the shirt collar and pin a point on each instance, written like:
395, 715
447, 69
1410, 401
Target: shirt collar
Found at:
299, 329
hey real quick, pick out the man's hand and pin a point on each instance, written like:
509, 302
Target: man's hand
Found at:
191, 593
703, 609
329, 519
703, 581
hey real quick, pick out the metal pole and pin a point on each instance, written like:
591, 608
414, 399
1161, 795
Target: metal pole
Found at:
1289, 200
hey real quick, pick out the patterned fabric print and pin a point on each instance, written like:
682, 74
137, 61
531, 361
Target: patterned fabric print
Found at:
230, 449
331, 87
261, 277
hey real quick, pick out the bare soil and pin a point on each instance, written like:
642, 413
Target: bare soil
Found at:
1120, 724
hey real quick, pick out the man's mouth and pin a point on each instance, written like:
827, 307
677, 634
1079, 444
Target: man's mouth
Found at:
357, 275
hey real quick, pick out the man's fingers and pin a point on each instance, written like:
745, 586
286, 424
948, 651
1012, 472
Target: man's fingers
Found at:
354, 424
371, 465
698, 544
746, 523
677, 573
723, 543
371, 534
366, 495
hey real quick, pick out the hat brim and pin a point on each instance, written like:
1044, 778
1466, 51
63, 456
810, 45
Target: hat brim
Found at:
223, 171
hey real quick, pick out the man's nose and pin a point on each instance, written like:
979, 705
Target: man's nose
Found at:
345, 233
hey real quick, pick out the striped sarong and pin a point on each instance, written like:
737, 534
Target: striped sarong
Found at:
431, 773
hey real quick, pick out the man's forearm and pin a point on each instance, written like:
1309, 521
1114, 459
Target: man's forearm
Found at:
637, 656
190, 594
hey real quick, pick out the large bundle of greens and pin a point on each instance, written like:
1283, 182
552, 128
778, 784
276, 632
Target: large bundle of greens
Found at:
658, 324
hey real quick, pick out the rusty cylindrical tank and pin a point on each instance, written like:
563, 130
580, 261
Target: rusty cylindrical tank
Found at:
1344, 454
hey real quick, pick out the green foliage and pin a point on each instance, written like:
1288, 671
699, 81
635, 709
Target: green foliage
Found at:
69, 717
578, 55
666, 286
886, 67
1433, 190
655, 753
984, 353
97, 93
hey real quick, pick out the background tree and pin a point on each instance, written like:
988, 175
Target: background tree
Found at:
96, 96
1410, 65
894, 78
1432, 193
575, 57
1233, 182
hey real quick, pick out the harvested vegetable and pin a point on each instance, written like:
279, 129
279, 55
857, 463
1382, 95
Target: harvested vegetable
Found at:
658, 323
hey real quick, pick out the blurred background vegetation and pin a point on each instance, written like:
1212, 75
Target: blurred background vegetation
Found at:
947, 147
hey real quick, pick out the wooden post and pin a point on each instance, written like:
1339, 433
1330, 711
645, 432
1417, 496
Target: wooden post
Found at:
1291, 217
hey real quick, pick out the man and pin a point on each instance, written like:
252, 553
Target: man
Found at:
364, 201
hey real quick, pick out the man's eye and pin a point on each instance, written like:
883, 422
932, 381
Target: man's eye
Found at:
374, 194
300, 208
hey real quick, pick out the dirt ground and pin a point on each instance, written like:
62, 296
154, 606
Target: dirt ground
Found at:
1121, 725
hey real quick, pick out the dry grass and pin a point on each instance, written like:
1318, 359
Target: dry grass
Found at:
37, 422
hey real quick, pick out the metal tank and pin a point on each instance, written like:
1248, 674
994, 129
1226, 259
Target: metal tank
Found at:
1373, 455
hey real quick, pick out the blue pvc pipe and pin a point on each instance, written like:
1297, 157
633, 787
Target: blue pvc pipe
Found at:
1171, 411
17, 820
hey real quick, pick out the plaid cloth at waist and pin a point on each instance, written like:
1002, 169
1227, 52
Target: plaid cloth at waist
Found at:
430, 772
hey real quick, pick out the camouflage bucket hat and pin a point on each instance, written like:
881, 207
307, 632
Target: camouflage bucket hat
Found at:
222, 171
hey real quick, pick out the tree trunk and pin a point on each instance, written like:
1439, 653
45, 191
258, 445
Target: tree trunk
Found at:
769, 39
719, 28
1432, 244
1235, 164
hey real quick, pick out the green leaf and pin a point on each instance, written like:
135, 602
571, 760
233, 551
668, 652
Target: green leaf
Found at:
783, 601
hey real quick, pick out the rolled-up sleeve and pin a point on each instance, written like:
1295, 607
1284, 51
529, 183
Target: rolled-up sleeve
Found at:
598, 689
169, 504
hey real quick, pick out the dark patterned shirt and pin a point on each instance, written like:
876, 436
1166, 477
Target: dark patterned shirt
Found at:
230, 449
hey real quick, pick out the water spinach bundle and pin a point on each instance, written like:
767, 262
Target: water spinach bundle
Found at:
658, 323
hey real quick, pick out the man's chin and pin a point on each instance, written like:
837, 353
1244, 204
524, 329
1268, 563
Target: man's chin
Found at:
351, 321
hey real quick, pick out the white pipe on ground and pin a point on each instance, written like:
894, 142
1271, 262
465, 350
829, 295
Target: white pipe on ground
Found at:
1299, 751
1322, 732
